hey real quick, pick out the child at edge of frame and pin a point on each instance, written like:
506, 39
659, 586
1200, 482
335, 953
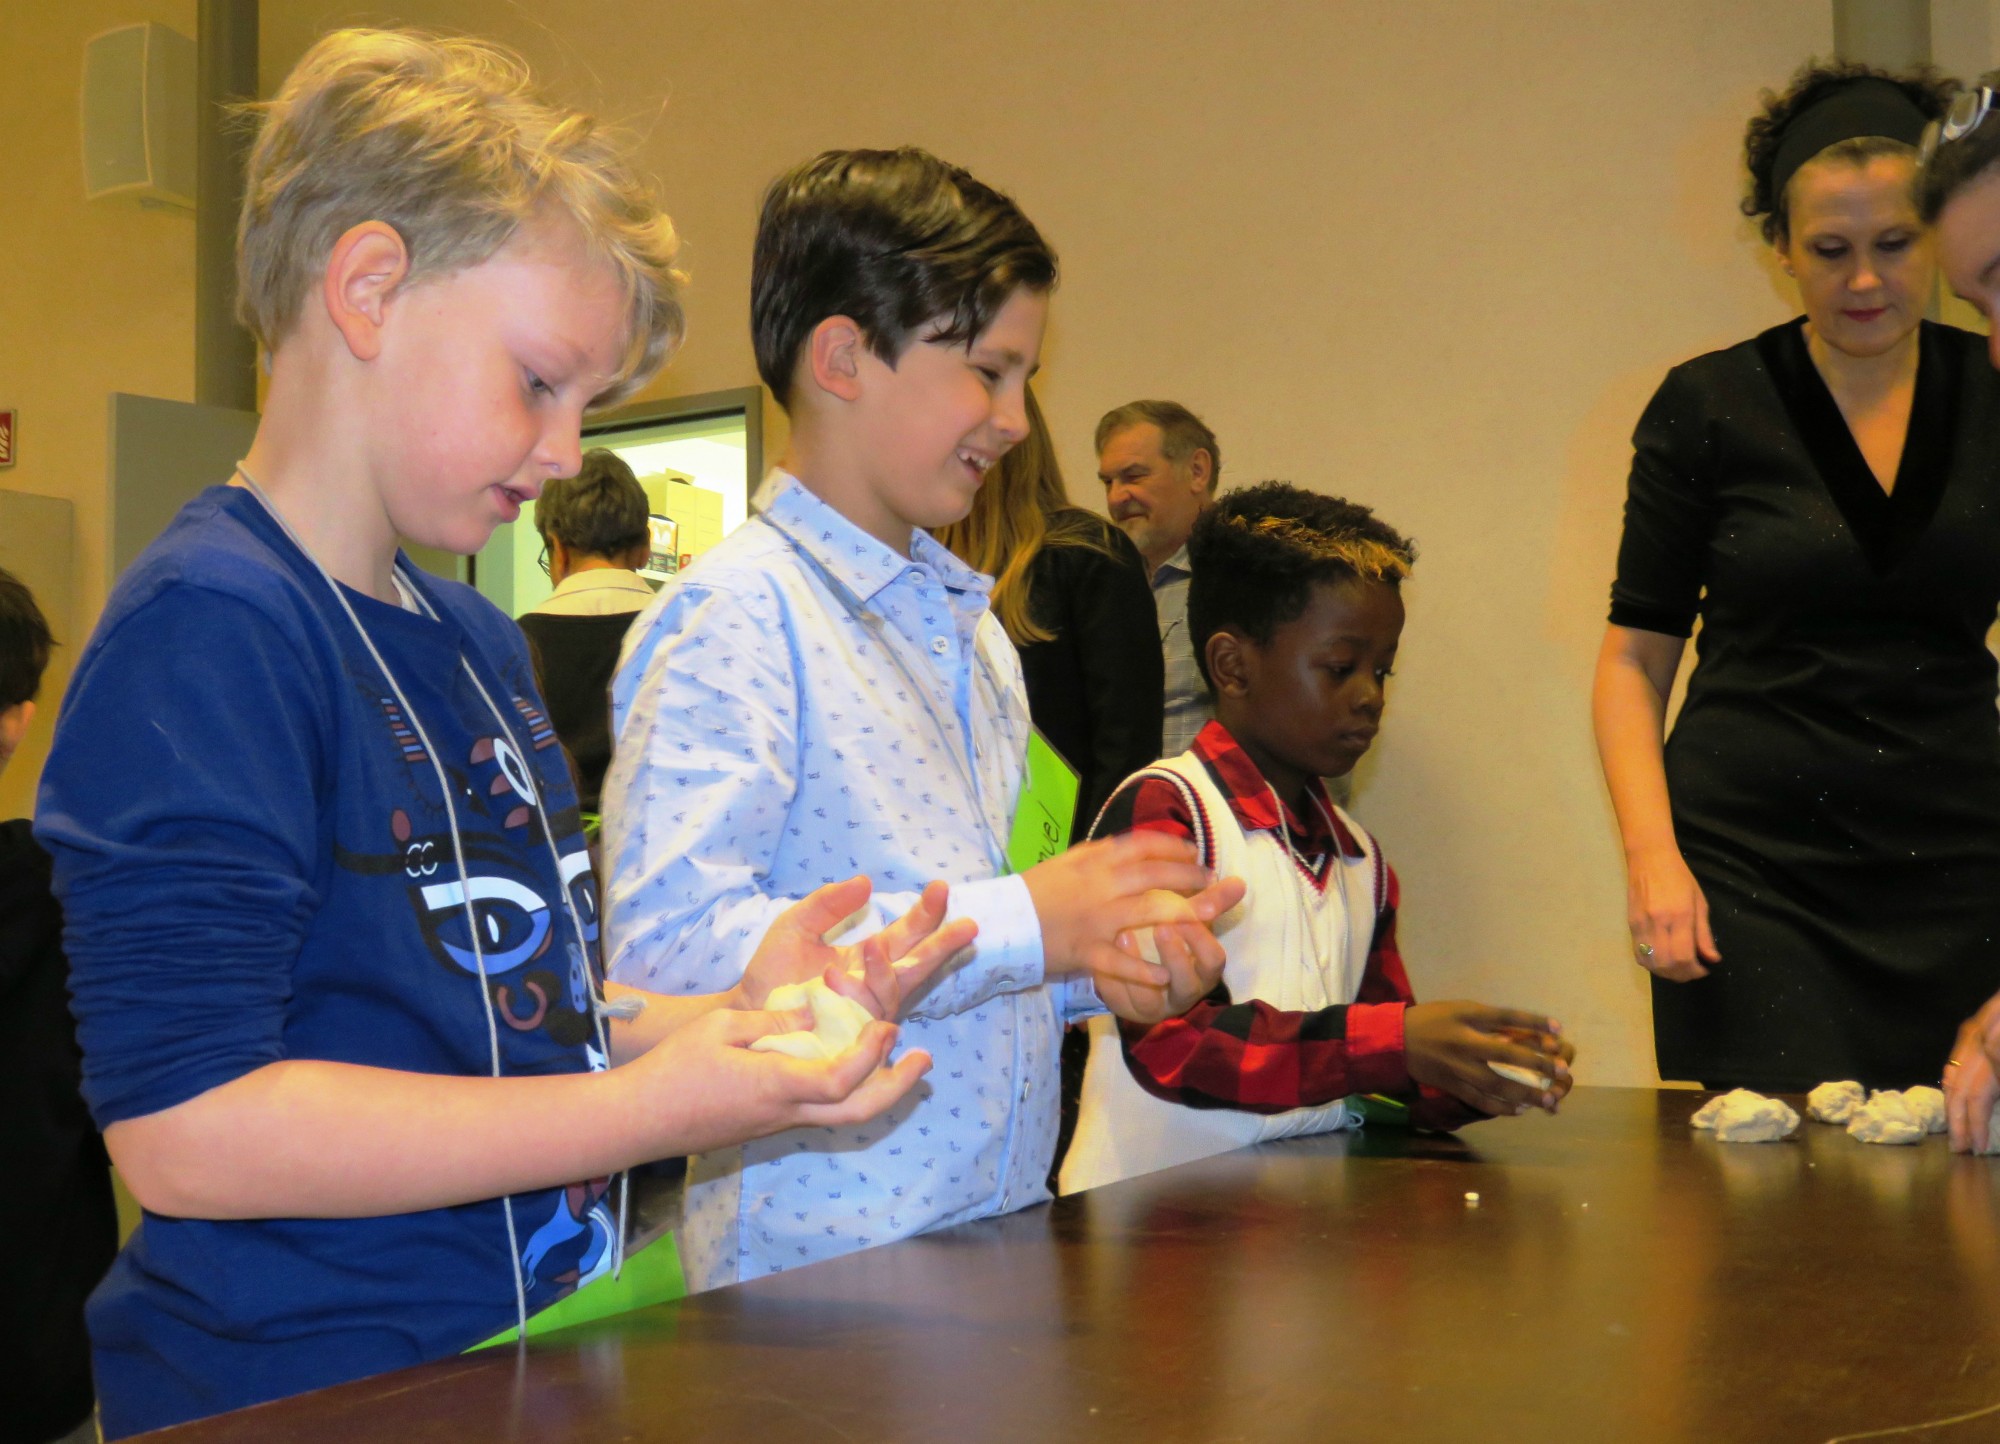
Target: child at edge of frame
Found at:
330, 917
1295, 613
827, 691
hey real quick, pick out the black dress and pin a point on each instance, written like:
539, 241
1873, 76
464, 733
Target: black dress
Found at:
1097, 691
1835, 770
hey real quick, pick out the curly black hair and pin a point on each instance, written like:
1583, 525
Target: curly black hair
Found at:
1926, 88
1960, 162
1257, 554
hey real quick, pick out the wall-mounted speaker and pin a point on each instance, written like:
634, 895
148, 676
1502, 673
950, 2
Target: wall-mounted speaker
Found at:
139, 116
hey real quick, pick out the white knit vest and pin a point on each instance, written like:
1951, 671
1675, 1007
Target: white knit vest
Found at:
1121, 1129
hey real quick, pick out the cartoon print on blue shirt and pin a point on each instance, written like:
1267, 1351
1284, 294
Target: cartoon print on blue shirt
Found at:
582, 1211
534, 974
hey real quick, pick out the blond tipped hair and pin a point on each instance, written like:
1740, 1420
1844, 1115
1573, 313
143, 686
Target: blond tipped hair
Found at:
1022, 508
447, 140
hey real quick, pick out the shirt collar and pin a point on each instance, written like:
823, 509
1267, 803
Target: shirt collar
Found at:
602, 579
850, 556
1255, 809
1174, 567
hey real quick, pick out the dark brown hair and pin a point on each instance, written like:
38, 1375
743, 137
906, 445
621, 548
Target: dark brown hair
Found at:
893, 239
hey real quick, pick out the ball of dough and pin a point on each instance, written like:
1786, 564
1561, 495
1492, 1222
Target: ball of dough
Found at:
1926, 1105
1835, 1102
1885, 1118
837, 1021
1167, 907
1741, 1116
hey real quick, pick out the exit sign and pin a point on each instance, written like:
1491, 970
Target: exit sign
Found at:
7, 433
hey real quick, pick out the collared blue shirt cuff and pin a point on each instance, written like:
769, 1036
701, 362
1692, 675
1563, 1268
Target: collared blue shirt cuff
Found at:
1008, 951
1077, 1000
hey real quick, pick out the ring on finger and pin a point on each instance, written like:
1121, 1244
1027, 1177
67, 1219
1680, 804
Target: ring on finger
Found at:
1644, 950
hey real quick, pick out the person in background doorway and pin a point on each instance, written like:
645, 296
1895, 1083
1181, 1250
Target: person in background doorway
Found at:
594, 540
1813, 857
1160, 466
56, 1210
1071, 591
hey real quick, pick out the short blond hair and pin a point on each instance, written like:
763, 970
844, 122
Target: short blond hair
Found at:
446, 139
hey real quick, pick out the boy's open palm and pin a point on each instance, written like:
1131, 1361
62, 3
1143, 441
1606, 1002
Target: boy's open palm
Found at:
1448, 1045
880, 972
719, 1093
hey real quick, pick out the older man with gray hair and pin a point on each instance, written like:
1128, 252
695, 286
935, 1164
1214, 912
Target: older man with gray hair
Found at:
1160, 466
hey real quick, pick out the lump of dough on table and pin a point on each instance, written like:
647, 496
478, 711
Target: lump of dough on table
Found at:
1835, 1102
1926, 1105
1741, 1116
1885, 1118
837, 1021
1169, 907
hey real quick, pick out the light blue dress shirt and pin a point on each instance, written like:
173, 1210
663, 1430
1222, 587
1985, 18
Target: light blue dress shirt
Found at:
802, 706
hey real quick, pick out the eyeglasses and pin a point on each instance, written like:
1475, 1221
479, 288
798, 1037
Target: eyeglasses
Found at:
1969, 109
542, 561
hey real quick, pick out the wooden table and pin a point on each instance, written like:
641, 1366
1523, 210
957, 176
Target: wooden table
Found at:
1620, 1280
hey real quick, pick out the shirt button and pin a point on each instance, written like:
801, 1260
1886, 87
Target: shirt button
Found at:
940, 645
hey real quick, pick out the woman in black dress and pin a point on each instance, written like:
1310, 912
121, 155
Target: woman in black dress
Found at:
1814, 857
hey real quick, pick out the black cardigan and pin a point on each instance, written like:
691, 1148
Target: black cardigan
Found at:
1097, 690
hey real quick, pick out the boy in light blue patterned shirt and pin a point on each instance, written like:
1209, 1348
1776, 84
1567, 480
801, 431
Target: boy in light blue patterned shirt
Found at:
826, 694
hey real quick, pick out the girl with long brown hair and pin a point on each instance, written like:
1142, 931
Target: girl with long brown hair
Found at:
1070, 589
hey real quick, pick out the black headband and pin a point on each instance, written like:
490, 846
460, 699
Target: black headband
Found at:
1865, 105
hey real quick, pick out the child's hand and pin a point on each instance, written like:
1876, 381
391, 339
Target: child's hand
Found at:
1087, 896
1193, 961
879, 972
1448, 1045
714, 1092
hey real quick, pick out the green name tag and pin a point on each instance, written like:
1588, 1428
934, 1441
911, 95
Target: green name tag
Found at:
650, 1276
1048, 807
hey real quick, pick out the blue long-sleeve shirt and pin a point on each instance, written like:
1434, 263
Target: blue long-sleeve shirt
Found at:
255, 864
804, 706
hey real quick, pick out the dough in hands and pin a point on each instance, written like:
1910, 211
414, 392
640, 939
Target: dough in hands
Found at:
1741, 1116
1885, 1118
1926, 1105
1522, 1076
1835, 1102
1170, 907
837, 1021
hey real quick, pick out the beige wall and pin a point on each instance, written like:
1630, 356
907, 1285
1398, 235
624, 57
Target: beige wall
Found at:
1431, 255
98, 297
